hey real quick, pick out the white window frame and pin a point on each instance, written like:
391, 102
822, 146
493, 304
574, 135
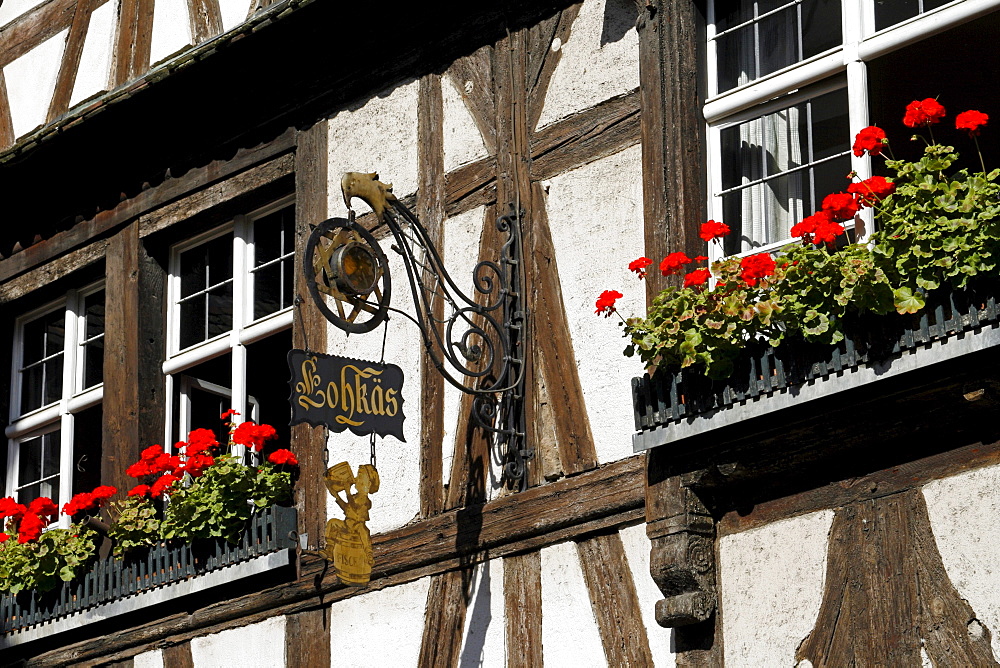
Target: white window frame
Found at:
73, 398
861, 44
245, 329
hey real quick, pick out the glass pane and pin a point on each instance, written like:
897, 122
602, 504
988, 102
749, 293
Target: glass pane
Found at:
50, 454
778, 35
33, 341
55, 332
94, 314
27, 494
220, 310
194, 273
267, 290
729, 13
785, 139
29, 461
736, 58
93, 370
891, 12
830, 177
820, 26
53, 379
741, 154
207, 264
192, 321
287, 283
31, 388
87, 427
830, 124
267, 238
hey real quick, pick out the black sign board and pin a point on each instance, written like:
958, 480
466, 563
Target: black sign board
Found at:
343, 393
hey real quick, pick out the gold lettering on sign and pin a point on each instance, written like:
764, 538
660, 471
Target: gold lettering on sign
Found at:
309, 384
356, 394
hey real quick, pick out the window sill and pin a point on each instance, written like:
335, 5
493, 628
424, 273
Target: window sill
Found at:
671, 407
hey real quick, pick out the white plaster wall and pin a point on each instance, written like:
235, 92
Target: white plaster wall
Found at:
234, 12
152, 659
11, 9
964, 511
772, 585
171, 29
95, 62
569, 630
463, 143
397, 501
381, 628
31, 80
485, 642
637, 552
380, 136
599, 60
595, 213
260, 645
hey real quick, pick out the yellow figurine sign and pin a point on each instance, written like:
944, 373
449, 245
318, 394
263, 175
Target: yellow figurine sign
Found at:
348, 541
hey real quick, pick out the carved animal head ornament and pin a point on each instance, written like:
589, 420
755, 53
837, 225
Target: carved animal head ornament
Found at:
369, 189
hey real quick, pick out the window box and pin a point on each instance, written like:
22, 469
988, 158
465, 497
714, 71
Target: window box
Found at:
672, 406
164, 572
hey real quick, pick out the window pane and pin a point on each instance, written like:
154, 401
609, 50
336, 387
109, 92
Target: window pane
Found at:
55, 333
192, 321
220, 310
820, 27
50, 454
830, 124
778, 35
273, 239
53, 379
830, 177
93, 369
267, 290
205, 265
891, 12
29, 461
94, 314
31, 388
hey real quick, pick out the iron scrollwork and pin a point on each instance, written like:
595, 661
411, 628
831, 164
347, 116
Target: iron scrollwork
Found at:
478, 344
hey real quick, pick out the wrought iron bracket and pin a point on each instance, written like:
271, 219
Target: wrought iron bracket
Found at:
477, 344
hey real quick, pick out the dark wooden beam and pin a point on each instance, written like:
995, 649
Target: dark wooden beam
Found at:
470, 186
430, 210
177, 656
522, 596
595, 501
309, 326
120, 442
6, 124
205, 18
614, 600
66, 78
674, 191
302, 633
444, 619
35, 26
542, 59
472, 75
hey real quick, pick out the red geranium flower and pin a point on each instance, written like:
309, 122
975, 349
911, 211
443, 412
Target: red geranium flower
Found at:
10, 508
827, 232
606, 302
254, 435
697, 277
840, 205
871, 139
872, 190
754, 267
163, 484
810, 223
197, 463
700, 258
30, 527
713, 230
639, 266
923, 112
200, 440
82, 502
283, 456
674, 263
227, 414
4, 538
139, 490
44, 506
971, 120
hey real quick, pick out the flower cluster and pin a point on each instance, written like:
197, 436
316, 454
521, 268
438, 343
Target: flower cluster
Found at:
606, 302
26, 521
88, 502
253, 435
923, 112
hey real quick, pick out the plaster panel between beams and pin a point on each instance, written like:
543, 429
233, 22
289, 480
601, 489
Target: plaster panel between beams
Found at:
599, 60
31, 80
963, 511
484, 643
569, 630
260, 644
153, 659
11, 9
637, 548
462, 234
234, 12
380, 628
397, 500
94, 74
595, 214
171, 29
380, 136
771, 582
463, 142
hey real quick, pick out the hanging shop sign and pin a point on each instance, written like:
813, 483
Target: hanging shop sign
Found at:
343, 393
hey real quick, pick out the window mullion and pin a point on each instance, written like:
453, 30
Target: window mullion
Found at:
70, 337
242, 256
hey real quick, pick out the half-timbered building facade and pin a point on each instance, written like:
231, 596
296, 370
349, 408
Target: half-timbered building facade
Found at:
164, 163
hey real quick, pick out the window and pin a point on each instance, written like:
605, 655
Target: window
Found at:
230, 298
56, 392
791, 81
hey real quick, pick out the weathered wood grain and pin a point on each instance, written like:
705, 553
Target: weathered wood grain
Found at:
303, 630
41, 276
177, 656
205, 18
35, 26
605, 498
123, 51
674, 191
522, 596
550, 335
888, 595
614, 600
120, 442
170, 189
472, 75
470, 186
542, 59
309, 326
6, 123
70, 61
603, 130
444, 619
430, 210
